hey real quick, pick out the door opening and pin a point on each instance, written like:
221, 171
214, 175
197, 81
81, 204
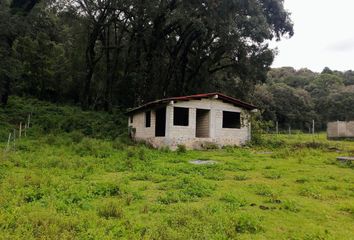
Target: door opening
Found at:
202, 129
160, 127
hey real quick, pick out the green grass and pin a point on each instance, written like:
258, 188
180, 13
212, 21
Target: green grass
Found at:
68, 186
61, 183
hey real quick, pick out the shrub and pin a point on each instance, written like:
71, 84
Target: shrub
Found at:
311, 191
233, 201
169, 198
290, 206
91, 147
76, 136
110, 210
106, 189
302, 180
215, 175
313, 145
241, 177
118, 145
181, 149
164, 149
272, 175
194, 188
263, 190
142, 155
210, 146
33, 194
125, 139
248, 224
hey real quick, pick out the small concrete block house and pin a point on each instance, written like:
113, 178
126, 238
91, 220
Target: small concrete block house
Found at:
192, 121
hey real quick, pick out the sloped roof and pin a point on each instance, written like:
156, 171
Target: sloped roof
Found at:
220, 96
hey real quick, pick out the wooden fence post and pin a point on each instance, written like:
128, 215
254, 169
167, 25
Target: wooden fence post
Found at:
29, 120
313, 126
8, 142
20, 133
14, 138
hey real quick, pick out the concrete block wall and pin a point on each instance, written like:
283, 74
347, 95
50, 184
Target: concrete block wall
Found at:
138, 124
340, 129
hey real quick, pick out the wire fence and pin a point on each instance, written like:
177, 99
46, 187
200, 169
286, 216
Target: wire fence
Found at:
18, 133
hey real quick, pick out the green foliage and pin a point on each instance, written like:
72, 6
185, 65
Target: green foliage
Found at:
241, 177
181, 149
264, 190
248, 224
210, 146
50, 118
311, 191
73, 52
194, 187
295, 98
71, 186
272, 174
76, 136
233, 201
291, 206
110, 210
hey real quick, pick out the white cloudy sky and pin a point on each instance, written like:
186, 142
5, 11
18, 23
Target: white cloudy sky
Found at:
324, 35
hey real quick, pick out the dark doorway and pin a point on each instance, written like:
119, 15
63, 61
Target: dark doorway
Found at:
160, 128
202, 129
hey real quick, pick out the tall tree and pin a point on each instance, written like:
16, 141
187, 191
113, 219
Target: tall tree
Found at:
12, 16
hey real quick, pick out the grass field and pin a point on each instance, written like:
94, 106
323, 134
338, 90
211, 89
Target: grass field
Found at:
67, 186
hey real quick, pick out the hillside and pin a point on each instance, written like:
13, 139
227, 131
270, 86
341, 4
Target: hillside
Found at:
49, 118
57, 184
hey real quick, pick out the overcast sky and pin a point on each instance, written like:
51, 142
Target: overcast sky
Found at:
324, 35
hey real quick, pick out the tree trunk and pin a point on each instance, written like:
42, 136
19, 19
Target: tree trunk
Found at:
90, 65
108, 89
5, 91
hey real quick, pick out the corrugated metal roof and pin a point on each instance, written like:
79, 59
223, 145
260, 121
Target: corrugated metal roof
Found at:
221, 96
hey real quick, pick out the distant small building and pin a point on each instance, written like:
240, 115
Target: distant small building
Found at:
339, 129
192, 121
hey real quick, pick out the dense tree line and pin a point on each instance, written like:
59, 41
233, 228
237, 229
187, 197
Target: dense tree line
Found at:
296, 97
104, 53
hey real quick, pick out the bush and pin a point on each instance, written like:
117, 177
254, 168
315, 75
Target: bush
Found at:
311, 191
290, 206
169, 198
312, 145
88, 147
263, 190
118, 145
258, 129
302, 180
194, 188
241, 177
181, 149
272, 175
248, 224
233, 201
106, 190
210, 146
110, 210
51, 118
76, 136
164, 149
